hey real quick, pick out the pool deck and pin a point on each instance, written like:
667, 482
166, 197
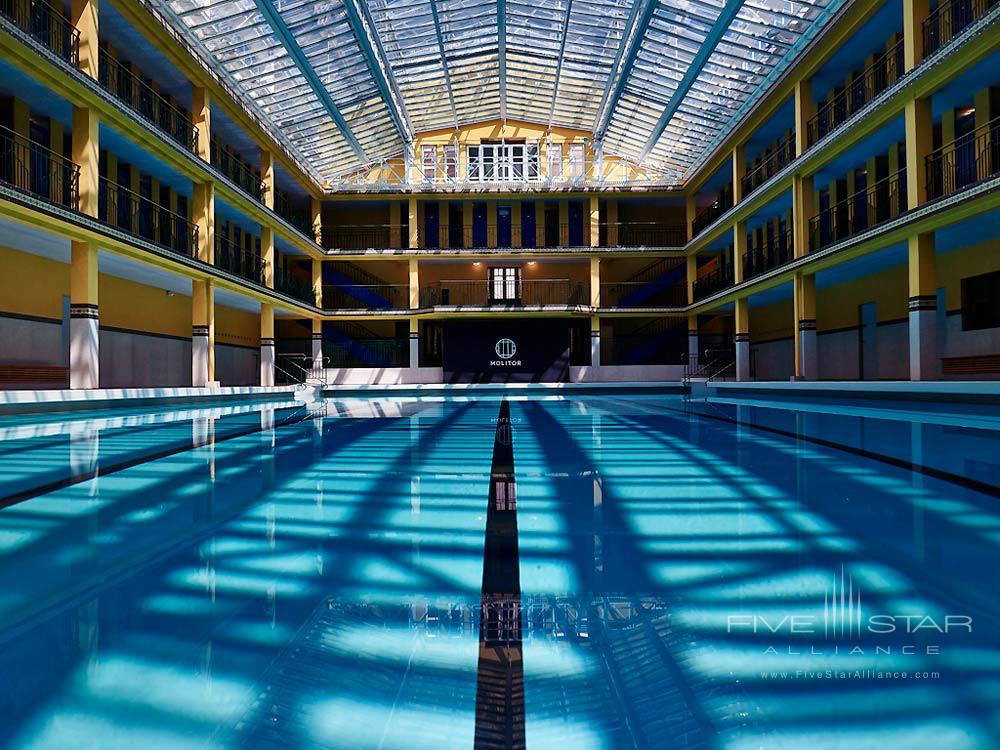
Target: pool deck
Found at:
952, 391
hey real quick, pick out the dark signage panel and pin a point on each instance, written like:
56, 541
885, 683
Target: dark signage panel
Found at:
505, 351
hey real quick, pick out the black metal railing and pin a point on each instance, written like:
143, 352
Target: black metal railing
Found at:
294, 216
240, 261
364, 236
775, 250
241, 174
775, 159
644, 234
482, 293
884, 71
366, 296
133, 213
370, 352
140, 97
968, 159
717, 279
949, 18
862, 210
34, 169
294, 286
46, 25
643, 294
708, 214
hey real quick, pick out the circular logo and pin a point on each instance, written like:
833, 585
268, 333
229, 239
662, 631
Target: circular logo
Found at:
506, 348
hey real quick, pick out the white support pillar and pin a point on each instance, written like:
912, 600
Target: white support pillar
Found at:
923, 308
202, 333
266, 344
804, 303
693, 344
84, 317
317, 344
595, 341
414, 342
742, 339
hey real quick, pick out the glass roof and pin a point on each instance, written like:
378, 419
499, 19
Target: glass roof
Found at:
345, 84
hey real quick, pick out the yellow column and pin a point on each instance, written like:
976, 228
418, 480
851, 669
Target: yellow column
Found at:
467, 219
413, 240
202, 332
267, 255
414, 281
83, 14
515, 224
539, 223
86, 156
395, 225
491, 224
804, 305
986, 102
612, 221
267, 177
56, 143
803, 209
317, 281
914, 13
595, 221
203, 213
317, 220
84, 340
805, 109
563, 223
692, 275
266, 344
922, 272
21, 122
201, 118
595, 282
919, 143
739, 250
739, 169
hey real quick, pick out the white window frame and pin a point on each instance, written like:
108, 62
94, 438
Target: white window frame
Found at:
428, 162
451, 162
503, 162
505, 283
554, 159
577, 160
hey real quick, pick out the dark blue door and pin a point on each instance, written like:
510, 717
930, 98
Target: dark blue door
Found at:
432, 225
503, 226
479, 229
575, 224
527, 224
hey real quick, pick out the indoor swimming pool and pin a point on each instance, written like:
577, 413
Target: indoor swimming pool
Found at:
587, 572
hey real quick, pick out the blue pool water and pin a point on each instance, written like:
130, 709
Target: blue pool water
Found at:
587, 572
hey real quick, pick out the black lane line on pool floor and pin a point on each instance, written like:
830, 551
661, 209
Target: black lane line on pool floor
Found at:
500, 678
103, 471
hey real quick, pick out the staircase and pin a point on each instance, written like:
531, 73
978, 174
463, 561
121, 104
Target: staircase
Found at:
655, 277
358, 283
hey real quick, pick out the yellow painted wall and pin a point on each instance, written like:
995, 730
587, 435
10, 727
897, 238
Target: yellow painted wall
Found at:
138, 307
771, 322
31, 285
959, 264
237, 327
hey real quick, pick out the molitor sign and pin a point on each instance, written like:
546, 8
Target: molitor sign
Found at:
505, 351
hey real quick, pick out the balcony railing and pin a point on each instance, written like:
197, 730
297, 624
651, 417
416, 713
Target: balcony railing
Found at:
949, 18
140, 97
642, 294
707, 215
717, 279
369, 352
886, 69
968, 159
643, 234
139, 216
866, 208
364, 236
239, 173
481, 293
240, 261
46, 25
297, 218
366, 297
775, 250
774, 161
294, 286
36, 170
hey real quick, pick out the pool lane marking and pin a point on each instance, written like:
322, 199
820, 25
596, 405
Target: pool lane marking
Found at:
500, 676
101, 471
940, 474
